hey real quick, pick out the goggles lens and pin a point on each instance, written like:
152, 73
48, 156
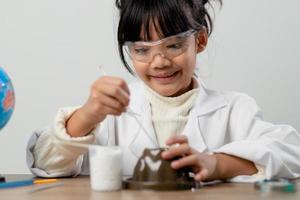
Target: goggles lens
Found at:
168, 47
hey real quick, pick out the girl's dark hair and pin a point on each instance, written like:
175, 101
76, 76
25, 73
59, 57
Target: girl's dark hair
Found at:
169, 17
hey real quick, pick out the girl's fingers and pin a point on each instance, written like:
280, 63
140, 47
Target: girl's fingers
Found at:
113, 92
117, 82
121, 83
112, 103
201, 175
175, 139
116, 93
191, 160
175, 151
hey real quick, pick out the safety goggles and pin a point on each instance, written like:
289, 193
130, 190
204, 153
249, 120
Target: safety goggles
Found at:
169, 47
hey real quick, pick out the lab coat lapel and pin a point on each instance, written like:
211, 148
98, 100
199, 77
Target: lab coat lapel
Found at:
206, 103
193, 132
142, 139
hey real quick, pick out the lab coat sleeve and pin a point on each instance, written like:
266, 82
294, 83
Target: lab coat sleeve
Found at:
46, 157
276, 148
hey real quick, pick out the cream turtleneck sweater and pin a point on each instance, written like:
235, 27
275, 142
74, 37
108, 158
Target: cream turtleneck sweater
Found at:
170, 114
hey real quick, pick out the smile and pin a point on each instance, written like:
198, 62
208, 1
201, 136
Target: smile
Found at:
165, 78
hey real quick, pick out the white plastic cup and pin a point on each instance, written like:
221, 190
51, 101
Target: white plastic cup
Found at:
105, 168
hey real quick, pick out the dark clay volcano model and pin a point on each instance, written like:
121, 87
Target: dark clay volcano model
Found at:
154, 173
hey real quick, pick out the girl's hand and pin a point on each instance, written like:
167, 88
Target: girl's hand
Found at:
108, 96
204, 165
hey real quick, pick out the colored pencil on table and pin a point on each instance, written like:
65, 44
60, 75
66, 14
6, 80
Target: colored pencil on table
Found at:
42, 181
13, 184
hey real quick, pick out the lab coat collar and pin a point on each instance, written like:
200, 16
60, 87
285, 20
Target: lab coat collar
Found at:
207, 101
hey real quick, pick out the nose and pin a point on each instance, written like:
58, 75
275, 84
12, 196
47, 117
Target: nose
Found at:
160, 61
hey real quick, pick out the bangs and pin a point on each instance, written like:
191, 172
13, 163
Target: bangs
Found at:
167, 17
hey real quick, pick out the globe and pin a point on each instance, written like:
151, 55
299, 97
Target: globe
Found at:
7, 98
7, 101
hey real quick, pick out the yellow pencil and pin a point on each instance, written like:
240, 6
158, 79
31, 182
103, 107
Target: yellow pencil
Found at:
42, 181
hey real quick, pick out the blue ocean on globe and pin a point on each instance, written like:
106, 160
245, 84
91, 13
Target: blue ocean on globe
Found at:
7, 98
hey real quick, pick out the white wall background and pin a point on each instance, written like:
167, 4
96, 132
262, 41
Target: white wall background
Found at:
51, 50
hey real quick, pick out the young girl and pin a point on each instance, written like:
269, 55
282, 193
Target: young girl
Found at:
221, 134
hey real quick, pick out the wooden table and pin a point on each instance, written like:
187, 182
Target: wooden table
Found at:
79, 188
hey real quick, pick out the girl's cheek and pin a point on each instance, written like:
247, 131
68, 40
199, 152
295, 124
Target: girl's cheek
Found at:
140, 69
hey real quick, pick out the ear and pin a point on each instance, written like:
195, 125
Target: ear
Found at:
201, 40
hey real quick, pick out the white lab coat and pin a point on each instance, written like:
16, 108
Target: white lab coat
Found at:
227, 122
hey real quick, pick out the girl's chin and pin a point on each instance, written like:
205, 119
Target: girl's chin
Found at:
171, 90
167, 91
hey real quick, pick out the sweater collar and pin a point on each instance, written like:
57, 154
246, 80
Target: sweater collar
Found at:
207, 100
155, 98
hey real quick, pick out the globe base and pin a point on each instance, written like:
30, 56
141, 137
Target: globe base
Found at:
2, 179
